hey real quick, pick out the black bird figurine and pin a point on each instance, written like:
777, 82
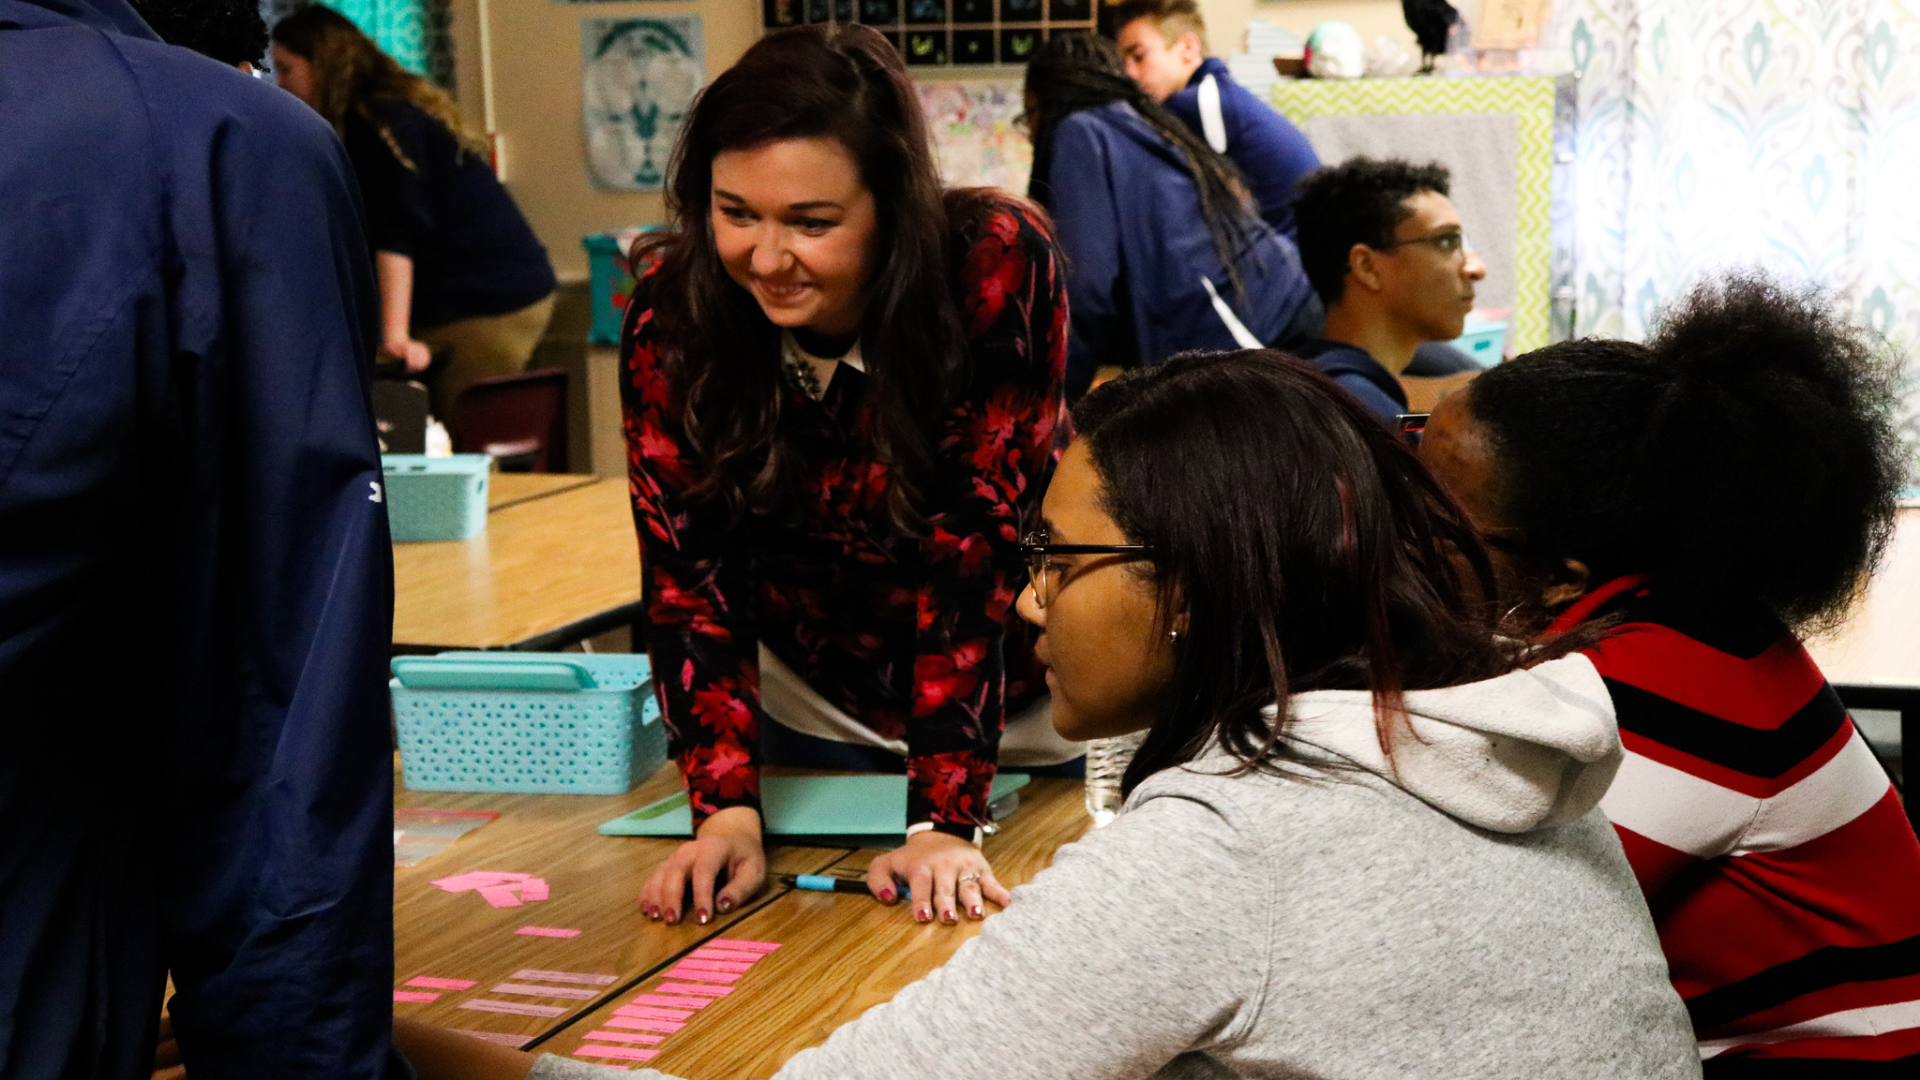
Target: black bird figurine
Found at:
1429, 20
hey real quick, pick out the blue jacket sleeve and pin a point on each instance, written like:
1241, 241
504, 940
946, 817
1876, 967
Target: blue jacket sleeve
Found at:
1376, 400
1087, 222
1271, 154
278, 895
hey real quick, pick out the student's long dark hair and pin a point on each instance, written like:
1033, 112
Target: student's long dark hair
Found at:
1074, 72
723, 365
1306, 545
1745, 455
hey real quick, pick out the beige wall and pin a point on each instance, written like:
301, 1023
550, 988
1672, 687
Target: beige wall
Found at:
536, 91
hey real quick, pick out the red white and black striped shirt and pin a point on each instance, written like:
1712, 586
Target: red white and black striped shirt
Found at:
1782, 873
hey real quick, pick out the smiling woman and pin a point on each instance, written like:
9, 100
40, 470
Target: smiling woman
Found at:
843, 402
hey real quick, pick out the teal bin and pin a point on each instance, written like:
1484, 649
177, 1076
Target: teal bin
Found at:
435, 498
1485, 342
546, 723
609, 284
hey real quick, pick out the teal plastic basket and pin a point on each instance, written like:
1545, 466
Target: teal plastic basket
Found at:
546, 723
608, 282
436, 498
1485, 342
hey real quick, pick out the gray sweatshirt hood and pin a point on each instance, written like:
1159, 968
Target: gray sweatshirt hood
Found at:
1531, 749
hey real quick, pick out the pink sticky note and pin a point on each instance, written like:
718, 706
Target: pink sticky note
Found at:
501, 1037
734, 955
581, 977
685, 972
694, 988
441, 984
414, 995
672, 1001
626, 1036
530, 990
624, 1053
649, 1012
456, 883
500, 895
639, 1023
517, 1008
533, 889
546, 931
716, 965
748, 946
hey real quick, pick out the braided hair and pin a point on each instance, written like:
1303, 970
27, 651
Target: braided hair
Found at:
1075, 72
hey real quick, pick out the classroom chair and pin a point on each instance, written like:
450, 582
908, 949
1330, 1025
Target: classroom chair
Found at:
521, 420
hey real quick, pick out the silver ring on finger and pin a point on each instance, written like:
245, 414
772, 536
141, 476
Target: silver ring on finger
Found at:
964, 878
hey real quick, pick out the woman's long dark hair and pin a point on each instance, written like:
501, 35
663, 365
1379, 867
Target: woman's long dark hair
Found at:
848, 84
1306, 545
1074, 72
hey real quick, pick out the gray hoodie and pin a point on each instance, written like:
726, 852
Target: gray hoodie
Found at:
1455, 909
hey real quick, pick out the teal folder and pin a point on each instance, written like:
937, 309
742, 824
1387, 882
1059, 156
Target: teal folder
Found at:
805, 806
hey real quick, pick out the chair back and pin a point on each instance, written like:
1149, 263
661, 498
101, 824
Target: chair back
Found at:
521, 420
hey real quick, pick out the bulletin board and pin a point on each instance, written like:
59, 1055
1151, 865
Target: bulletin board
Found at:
1526, 230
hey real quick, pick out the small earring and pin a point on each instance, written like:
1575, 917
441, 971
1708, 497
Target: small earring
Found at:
1173, 636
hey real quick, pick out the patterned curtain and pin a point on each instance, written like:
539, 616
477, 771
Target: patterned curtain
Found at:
1777, 133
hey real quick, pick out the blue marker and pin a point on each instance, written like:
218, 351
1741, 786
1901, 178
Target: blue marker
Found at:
823, 883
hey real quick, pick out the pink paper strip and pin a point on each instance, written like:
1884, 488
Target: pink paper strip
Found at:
685, 972
749, 946
624, 1053
441, 984
636, 1023
546, 931
530, 990
501, 1037
474, 879
672, 1001
648, 1012
533, 889
626, 1036
581, 977
694, 988
734, 955
500, 895
414, 995
517, 1008
716, 965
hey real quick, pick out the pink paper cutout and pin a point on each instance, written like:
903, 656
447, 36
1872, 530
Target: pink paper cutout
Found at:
672, 1001
533, 889
624, 1053
414, 995
747, 946
733, 955
500, 895
517, 1008
626, 1036
694, 988
685, 972
648, 1012
716, 965
638, 1023
581, 977
442, 984
530, 990
501, 1037
546, 931
474, 879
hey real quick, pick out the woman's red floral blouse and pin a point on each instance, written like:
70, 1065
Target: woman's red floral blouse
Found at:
915, 638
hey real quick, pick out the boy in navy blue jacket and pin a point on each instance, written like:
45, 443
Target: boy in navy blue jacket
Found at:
1164, 45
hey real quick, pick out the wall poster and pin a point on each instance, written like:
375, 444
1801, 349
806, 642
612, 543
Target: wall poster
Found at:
638, 79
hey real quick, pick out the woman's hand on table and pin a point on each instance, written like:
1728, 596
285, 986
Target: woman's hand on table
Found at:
945, 875
727, 848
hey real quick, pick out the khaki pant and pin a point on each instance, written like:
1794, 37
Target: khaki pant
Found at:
481, 347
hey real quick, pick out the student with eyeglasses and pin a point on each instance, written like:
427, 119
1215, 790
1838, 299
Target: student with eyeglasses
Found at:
1385, 250
1360, 838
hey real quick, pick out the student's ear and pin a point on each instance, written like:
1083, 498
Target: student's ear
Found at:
1191, 51
1361, 267
1571, 581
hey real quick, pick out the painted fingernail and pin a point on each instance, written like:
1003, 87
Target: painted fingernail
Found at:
701, 914
671, 916
725, 905
949, 917
976, 912
922, 915
653, 911
887, 896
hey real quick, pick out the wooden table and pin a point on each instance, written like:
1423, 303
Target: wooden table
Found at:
841, 954
512, 489
558, 562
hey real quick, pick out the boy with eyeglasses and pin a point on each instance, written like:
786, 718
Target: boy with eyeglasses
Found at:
1383, 246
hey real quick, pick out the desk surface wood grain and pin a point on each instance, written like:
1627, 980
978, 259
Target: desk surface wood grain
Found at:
840, 955
1880, 641
541, 564
509, 489
594, 881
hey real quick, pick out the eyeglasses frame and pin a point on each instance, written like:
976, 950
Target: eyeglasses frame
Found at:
1032, 549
